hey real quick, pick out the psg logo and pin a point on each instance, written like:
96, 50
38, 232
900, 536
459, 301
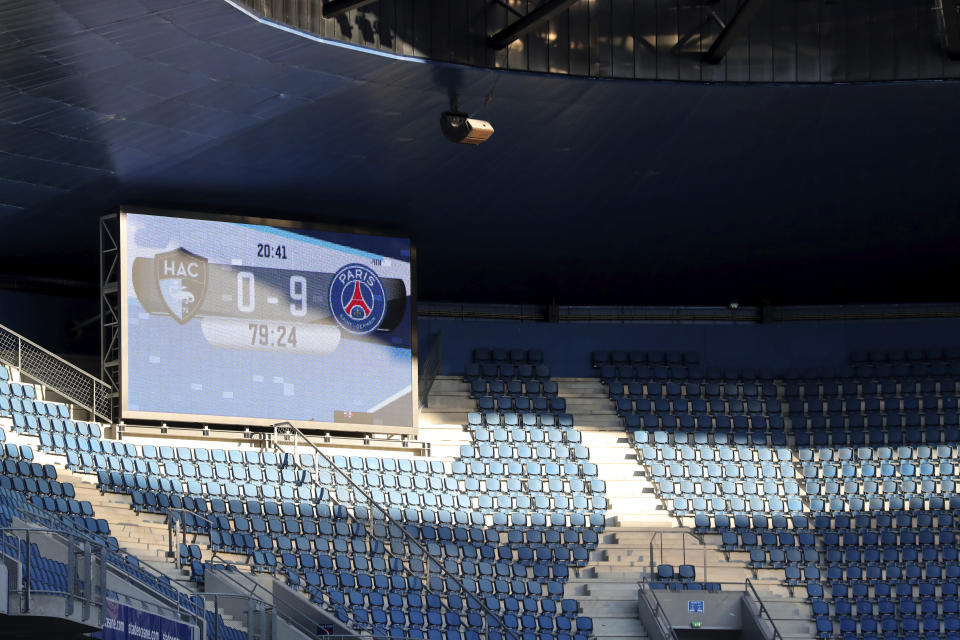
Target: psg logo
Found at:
357, 301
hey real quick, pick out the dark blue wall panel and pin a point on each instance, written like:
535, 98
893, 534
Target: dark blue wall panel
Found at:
567, 347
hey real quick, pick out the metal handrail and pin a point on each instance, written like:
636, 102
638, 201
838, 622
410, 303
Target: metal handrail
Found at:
248, 591
173, 522
251, 602
98, 401
763, 610
26, 590
487, 613
684, 533
25, 507
658, 613
229, 576
103, 550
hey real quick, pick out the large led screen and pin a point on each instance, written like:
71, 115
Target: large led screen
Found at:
246, 322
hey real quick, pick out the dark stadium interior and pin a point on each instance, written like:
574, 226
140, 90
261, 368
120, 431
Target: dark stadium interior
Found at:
673, 354
674, 192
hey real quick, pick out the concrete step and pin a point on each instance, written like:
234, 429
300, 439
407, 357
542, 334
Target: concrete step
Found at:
596, 422
450, 402
572, 387
449, 385
443, 417
617, 628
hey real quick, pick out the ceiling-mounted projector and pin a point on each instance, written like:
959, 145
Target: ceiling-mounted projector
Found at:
459, 127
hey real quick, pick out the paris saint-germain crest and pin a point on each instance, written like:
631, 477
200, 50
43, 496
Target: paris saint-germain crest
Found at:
357, 301
182, 280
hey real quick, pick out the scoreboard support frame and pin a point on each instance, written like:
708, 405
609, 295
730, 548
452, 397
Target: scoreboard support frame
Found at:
111, 270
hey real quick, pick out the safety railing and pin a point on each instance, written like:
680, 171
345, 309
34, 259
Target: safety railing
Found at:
259, 617
746, 587
85, 563
257, 610
659, 615
664, 541
429, 367
177, 528
51, 370
44, 518
762, 612
412, 560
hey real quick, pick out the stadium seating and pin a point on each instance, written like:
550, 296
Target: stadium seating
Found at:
843, 477
508, 518
682, 578
31, 493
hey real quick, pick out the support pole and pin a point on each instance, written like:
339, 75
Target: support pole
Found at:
737, 26
73, 576
545, 11
25, 604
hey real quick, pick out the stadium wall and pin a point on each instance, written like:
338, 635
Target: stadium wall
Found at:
567, 346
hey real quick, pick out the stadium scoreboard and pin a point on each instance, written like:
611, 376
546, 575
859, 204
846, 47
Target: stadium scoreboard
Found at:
250, 321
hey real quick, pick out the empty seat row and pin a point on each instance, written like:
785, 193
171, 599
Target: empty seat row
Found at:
905, 355
600, 358
490, 371
14, 405
698, 406
856, 388
514, 356
515, 388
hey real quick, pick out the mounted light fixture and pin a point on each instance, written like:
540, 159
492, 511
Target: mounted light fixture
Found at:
461, 128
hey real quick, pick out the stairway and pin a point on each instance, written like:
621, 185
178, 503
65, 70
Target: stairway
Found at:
144, 535
589, 403
442, 420
641, 534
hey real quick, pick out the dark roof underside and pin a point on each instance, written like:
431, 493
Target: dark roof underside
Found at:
590, 191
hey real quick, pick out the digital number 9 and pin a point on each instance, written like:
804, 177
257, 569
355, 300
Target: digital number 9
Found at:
298, 293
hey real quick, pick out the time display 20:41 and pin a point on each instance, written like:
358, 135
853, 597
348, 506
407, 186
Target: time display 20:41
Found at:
267, 335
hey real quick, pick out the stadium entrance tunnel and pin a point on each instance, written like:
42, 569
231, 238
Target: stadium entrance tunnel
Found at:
730, 614
712, 634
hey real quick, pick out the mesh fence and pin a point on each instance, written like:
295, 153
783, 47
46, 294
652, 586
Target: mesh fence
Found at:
71, 382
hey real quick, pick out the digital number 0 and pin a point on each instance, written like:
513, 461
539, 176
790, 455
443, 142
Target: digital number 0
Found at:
245, 292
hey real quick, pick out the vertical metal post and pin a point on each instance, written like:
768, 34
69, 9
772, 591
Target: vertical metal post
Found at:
683, 541
216, 617
273, 622
704, 562
87, 588
25, 605
19, 353
249, 618
73, 577
103, 585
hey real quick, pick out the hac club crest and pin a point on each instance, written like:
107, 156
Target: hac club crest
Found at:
182, 280
357, 301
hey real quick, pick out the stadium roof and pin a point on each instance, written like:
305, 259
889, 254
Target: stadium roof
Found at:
590, 191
